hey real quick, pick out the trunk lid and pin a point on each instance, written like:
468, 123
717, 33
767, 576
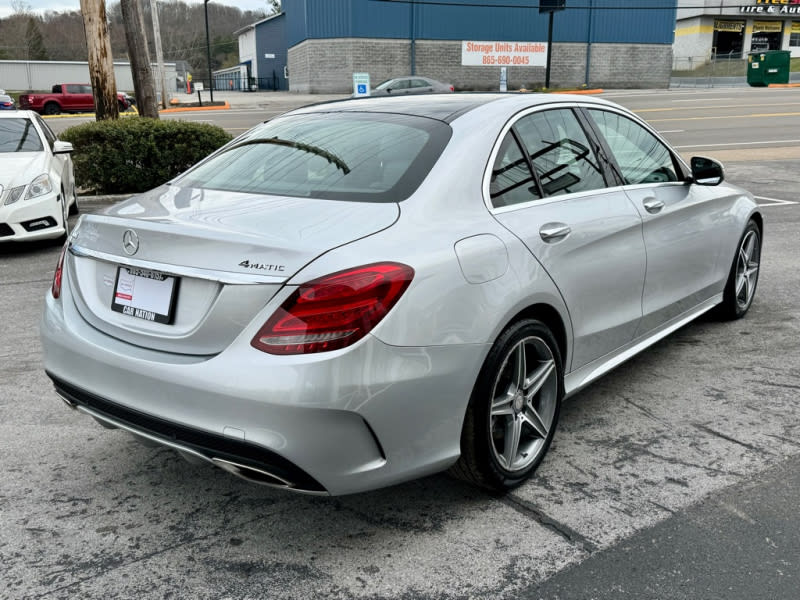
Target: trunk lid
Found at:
229, 253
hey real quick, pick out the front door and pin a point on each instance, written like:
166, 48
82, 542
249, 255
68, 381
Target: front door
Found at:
682, 222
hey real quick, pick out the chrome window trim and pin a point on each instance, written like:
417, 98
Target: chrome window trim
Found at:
225, 277
487, 174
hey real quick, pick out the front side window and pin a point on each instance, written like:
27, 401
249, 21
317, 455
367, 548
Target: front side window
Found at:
343, 156
641, 157
560, 152
48, 133
19, 135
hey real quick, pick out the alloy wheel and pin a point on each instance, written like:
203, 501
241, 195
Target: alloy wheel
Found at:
747, 265
524, 401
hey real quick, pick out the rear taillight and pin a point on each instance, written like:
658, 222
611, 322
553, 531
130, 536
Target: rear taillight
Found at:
334, 311
56, 289
452, 88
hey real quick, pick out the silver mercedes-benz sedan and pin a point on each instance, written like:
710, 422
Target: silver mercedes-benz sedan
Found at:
359, 293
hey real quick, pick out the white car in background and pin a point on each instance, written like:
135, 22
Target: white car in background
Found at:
37, 184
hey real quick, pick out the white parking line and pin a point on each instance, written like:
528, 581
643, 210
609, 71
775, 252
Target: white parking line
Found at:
739, 144
774, 201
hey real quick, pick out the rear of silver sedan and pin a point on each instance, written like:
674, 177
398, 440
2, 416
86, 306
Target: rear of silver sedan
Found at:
174, 316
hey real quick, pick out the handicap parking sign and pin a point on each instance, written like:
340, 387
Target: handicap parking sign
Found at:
360, 85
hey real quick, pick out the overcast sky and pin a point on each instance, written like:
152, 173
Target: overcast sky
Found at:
59, 5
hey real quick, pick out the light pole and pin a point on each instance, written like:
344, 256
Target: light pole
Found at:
208, 53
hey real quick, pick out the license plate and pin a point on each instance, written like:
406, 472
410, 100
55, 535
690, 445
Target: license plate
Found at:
145, 294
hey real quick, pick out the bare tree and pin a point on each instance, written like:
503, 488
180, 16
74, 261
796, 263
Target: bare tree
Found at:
35, 41
140, 61
20, 7
273, 7
101, 63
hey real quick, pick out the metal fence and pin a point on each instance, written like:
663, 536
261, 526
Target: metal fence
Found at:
237, 83
709, 70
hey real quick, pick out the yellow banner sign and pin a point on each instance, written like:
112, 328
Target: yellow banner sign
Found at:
767, 26
736, 26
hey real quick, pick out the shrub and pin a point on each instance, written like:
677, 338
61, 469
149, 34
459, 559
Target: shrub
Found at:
136, 154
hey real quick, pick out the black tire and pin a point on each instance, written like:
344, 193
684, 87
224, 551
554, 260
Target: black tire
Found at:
122, 107
74, 209
51, 108
499, 405
65, 218
740, 289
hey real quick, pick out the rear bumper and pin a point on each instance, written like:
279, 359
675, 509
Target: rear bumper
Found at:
341, 422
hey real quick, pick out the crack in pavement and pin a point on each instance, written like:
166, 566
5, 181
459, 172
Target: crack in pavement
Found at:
148, 556
730, 439
565, 531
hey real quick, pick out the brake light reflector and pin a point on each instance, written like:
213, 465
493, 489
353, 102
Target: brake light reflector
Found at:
56, 289
334, 311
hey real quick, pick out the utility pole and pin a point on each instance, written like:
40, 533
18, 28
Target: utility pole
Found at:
208, 54
162, 76
101, 63
143, 85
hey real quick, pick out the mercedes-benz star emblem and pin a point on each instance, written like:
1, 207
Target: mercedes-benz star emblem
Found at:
130, 242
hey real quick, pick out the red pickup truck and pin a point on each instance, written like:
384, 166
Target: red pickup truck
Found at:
65, 97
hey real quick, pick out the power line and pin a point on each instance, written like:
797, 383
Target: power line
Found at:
586, 6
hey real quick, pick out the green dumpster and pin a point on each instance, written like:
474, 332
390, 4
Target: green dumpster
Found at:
767, 67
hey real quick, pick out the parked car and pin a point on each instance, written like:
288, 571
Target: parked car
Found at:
37, 185
401, 86
7, 102
65, 97
359, 293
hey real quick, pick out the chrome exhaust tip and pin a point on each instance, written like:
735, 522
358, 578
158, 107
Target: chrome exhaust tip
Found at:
66, 400
252, 474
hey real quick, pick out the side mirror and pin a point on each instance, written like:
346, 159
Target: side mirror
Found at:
60, 147
707, 171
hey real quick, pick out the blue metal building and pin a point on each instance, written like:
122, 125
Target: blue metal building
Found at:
263, 53
612, 43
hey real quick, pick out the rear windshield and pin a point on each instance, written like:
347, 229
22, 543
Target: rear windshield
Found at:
19, 135
365, 157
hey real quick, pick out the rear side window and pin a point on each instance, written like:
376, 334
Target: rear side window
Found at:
512, 181
19, 135
342, 156
560, 152
641, 157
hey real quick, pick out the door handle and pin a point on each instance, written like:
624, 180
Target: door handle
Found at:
652, 205
552, 232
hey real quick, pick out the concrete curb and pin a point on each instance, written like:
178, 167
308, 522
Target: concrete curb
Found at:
102, 200
133, 112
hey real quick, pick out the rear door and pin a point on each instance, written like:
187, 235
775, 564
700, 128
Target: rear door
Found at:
420, 86
682, 223
549, 188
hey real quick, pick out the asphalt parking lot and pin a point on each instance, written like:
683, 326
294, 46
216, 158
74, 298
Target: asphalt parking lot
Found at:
675, 476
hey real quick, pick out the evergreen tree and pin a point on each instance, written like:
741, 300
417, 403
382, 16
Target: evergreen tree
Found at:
35, 42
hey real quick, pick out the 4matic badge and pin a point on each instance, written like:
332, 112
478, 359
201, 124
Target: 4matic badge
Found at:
261, 266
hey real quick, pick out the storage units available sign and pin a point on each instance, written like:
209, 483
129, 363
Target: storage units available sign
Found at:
504, 54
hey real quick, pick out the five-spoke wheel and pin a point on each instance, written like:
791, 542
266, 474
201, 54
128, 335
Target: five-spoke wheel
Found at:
740, 288
513, 411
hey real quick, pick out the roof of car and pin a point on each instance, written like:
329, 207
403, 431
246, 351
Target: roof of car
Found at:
16, 114
444, 107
